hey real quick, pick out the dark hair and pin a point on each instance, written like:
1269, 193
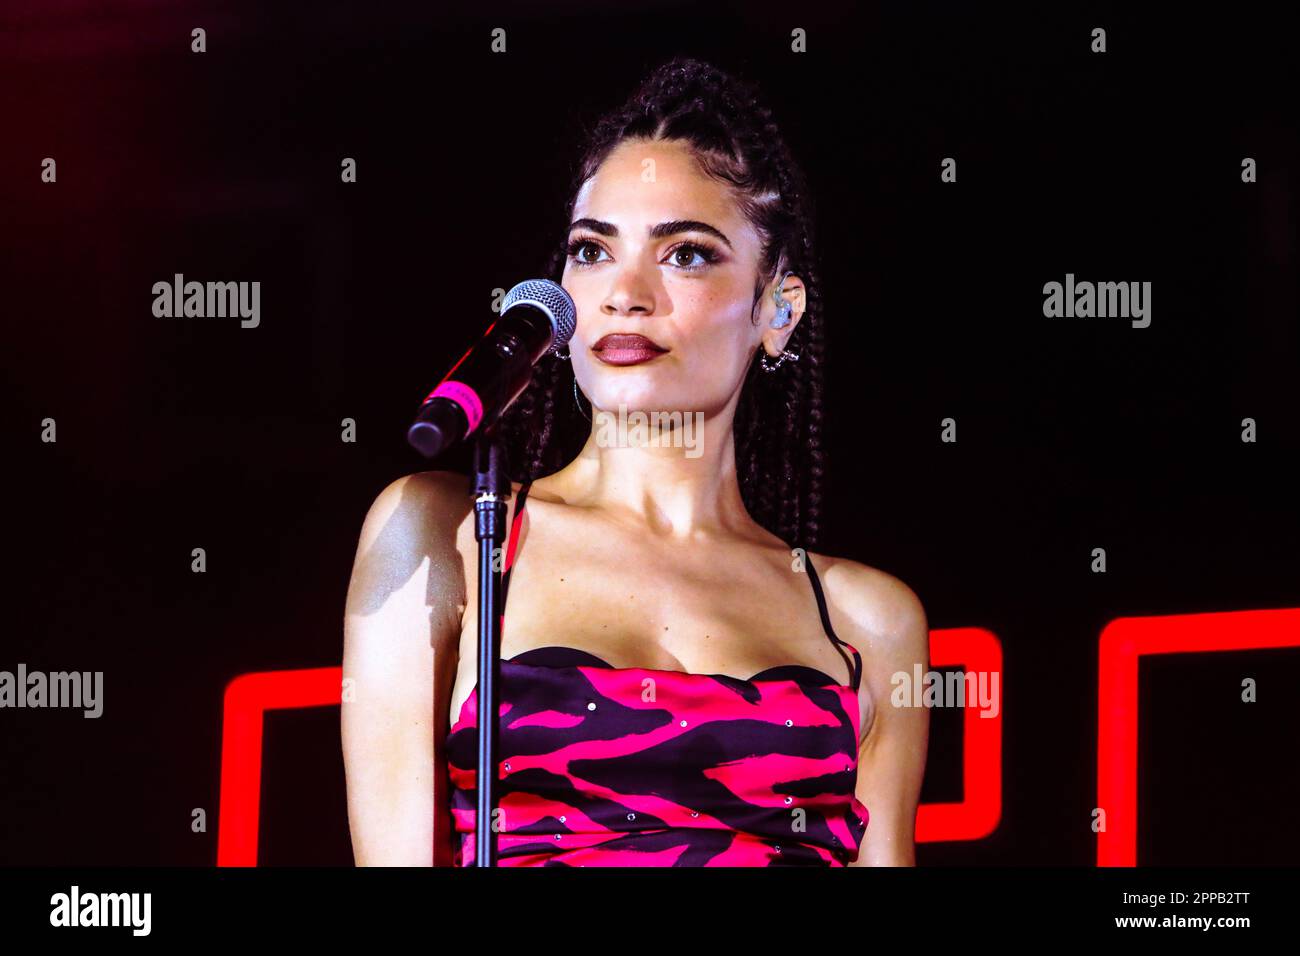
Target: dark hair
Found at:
780, 462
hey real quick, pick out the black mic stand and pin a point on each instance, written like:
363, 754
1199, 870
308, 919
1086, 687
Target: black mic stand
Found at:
491, 490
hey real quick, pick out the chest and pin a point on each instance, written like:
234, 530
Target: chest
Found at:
730, 608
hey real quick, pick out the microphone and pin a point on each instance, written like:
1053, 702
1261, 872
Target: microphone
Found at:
535, 315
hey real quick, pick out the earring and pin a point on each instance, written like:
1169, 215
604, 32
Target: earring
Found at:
786, 355
782, 306
575, 399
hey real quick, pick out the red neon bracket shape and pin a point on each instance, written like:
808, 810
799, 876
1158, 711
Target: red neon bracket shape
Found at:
978, 814
247, 698
1123, 642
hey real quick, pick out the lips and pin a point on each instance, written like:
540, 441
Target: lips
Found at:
622, 348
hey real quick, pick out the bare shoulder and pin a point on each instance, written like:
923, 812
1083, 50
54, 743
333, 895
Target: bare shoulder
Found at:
421, 513
879, 608
418, 503
412, 523
426, 515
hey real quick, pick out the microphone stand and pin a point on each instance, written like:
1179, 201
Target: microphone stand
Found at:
491, 490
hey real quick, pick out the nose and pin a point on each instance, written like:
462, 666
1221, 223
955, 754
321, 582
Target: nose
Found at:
630, 292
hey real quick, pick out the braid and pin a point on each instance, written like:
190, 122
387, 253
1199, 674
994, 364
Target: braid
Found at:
780, 458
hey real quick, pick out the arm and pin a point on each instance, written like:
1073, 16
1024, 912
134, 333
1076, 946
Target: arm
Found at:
888, 626
399, 648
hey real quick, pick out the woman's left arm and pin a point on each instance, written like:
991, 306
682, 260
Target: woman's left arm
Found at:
888, 627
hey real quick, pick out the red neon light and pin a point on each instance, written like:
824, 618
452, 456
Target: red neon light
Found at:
980, 810
1125, 640
247, 698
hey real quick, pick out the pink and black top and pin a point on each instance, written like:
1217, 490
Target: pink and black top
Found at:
631, 766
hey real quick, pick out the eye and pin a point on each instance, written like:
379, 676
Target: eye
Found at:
691, 256
578, 249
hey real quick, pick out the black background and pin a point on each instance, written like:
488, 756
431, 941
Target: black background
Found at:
1073, 434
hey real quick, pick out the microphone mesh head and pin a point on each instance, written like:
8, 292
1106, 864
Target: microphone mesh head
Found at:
551, 299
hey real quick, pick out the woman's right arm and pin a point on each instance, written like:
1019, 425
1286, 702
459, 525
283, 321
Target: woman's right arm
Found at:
400, 631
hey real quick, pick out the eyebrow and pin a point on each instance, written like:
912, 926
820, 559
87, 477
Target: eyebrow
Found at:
660, 231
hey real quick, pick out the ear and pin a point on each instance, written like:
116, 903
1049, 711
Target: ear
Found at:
793, 291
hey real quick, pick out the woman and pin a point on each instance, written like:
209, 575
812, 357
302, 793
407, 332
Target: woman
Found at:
683, 682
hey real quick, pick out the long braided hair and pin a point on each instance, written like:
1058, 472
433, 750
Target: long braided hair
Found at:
780, 462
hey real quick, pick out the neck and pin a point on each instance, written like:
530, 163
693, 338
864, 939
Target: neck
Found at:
677, 480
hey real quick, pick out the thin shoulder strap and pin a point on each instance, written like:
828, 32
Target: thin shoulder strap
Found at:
855, 667
513, 543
